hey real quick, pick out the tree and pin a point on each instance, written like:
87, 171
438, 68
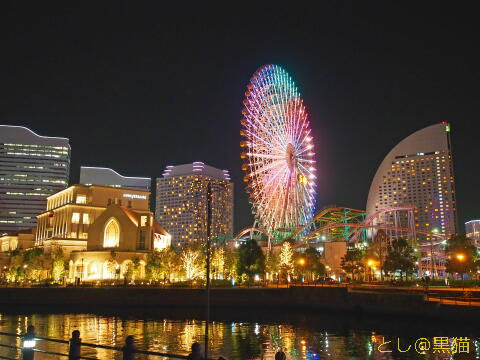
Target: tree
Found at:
378, 249
271, 264
400, 257
58, 263
15, 271
33, 263
286, 258
218, 262
231, 260
135, 268
193, 261
251, 260
153, 268
313, 264
352, 262
128, 271
461, 255
111, 264
168, 262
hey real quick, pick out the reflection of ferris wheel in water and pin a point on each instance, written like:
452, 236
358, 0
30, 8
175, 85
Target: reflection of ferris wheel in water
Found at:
278, 152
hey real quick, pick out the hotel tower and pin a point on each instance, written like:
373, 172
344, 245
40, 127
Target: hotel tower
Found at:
419, 171
181, 202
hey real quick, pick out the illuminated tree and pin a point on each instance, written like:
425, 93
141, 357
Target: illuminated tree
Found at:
193, 261
15, 269
231, 261
33, 260
136, 268
271, 264
218, 263
153, 268
58, 263
112, 264
169, 262
286, 258
128, 271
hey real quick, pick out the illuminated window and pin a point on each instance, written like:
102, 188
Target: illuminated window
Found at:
75, 218
81, 199
111, 235
143, 220
86, 219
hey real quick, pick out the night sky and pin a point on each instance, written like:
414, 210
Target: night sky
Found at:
137, 86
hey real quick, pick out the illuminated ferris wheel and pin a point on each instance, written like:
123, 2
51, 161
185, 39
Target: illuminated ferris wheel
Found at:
278, 152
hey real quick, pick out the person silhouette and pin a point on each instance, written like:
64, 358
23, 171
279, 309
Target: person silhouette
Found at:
196, 353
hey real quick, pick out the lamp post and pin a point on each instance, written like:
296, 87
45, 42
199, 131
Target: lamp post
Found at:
301, 262
370, 264
460, 258
209, 231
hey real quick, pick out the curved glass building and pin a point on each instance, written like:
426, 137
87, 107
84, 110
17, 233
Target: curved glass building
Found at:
32, 167
419, 171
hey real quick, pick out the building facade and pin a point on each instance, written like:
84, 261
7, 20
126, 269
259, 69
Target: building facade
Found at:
32, 167
70, 213
108, 177
419, 171
181, 202
472, 230
21, 240
119, 242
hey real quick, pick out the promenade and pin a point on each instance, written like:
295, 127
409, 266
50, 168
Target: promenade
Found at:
412, 301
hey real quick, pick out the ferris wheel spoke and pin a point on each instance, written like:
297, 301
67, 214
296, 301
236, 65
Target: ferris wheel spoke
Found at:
275, 189
268, 156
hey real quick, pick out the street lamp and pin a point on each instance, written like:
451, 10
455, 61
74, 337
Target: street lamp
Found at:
460, 258
301, 262
370, 264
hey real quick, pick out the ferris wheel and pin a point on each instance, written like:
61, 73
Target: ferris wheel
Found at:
278, 152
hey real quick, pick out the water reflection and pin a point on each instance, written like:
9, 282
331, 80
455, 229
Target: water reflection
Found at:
324, 338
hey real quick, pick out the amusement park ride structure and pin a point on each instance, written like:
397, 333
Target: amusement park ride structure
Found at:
279, 166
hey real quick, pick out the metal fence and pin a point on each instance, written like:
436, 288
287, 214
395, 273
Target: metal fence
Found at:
112, 348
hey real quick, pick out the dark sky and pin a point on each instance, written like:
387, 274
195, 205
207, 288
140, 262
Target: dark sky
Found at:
137, 85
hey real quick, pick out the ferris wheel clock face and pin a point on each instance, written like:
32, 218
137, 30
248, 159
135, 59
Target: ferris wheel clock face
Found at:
278, 152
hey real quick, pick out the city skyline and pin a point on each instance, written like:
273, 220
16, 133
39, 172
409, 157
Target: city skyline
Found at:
134, 95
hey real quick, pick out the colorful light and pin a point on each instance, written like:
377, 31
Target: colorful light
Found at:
280, 156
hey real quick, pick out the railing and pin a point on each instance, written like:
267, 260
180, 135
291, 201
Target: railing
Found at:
112, 348
466, 299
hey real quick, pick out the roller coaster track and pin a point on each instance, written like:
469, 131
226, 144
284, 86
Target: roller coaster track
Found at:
331, 219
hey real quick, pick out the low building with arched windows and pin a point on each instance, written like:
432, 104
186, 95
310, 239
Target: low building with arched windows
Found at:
105, 232
120, 240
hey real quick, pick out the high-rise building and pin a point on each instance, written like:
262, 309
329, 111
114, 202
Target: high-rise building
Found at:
472, 230
181, 202
108, 177
419, 171
32, 167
